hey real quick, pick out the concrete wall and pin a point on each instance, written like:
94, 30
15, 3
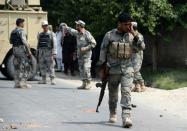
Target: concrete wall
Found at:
170, 54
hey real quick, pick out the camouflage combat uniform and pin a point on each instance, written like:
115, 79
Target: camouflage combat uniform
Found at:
137, 59
84, 58
21, 61
46, 50
121, 68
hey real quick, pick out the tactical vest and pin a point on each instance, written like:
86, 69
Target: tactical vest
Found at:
15, 38
121, 50
45, 40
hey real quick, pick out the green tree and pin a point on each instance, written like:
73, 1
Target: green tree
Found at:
100, 15
152, 15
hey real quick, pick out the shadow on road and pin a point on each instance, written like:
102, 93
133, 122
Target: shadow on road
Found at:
5, 87
63, 88
4, 79
103, 123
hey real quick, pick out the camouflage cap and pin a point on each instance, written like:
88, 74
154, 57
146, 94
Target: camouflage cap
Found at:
62, 24
81, 23
44, 22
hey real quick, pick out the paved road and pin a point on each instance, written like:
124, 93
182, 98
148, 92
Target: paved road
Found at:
64, 108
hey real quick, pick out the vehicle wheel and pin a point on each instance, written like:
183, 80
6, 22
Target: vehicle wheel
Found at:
4, 71
10, 67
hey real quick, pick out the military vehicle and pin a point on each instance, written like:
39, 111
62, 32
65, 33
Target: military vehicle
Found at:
10, 10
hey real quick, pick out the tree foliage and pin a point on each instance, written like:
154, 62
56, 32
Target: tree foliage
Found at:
100, 15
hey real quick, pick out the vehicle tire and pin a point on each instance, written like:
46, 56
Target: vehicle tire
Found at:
10, 67
4, 71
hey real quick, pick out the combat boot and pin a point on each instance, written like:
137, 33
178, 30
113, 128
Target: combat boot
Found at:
43, 81
127, 122
143, 87
137, 88
83, 85
53, 81
17, 84
88, 85
113, 118
25, 85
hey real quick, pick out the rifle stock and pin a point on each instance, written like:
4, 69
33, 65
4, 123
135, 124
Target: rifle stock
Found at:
104, 80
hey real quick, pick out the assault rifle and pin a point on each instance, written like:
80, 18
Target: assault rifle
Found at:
104, 71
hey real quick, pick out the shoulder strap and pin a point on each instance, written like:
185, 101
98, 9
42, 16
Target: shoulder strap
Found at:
86, 37
18, 32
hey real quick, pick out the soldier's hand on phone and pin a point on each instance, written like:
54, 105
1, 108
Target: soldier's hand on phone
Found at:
131, 30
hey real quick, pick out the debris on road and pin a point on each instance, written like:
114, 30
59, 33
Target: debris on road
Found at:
9, 127
6, 127
89, 110
29, 125
1, 120
13, 126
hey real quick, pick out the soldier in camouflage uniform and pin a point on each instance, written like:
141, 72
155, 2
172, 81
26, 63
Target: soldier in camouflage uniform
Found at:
137, 59
46, 53
85, 44
116, 50
22, 54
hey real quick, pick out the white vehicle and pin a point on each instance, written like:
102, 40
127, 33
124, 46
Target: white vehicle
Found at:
10, 10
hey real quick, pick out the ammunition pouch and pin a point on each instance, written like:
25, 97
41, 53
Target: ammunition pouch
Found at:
120, 50
135, 50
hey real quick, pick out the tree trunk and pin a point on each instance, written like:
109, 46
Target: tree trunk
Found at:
155, 54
